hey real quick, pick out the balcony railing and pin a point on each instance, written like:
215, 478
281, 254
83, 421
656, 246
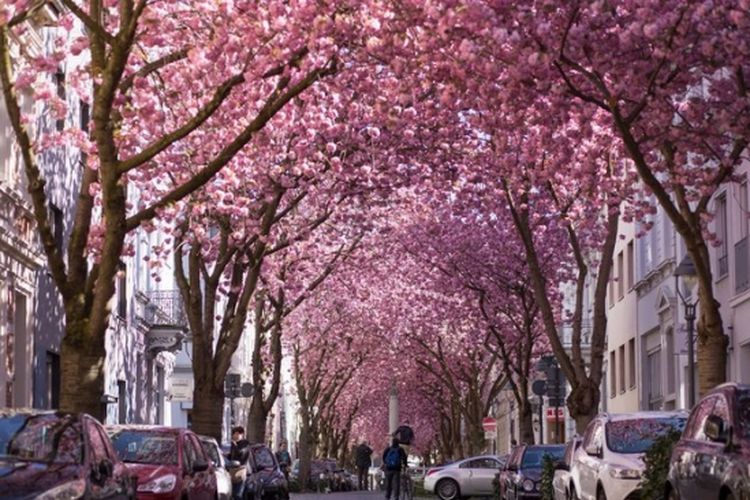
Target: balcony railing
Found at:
165, 307
741, 266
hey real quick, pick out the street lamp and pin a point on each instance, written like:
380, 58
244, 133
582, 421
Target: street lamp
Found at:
686, 270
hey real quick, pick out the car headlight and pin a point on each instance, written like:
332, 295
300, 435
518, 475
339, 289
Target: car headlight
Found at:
163, 484
528, 485
622, 473
71, 490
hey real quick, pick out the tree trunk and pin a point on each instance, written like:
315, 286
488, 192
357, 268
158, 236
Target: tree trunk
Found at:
82, 374
306, 445
256, 420
525, 424
711, 342
208, 410
583, 403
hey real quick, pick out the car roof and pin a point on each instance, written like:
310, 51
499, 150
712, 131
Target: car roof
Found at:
162, 429
618, 417
10, 412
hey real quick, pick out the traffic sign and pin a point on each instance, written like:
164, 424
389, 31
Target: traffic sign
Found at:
489, 424
539, 387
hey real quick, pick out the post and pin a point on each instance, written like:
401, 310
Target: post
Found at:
231, 413
393, 409
541, 419
690, 320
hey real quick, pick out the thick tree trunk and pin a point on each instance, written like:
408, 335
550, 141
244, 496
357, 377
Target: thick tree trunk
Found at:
306, 447
525, 424
256, 420
583, 403
208, 410
82, 374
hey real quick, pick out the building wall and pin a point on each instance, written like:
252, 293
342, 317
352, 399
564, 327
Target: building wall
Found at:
622, 351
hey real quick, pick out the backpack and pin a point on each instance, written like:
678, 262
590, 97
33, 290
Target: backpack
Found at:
405, 435
393, 458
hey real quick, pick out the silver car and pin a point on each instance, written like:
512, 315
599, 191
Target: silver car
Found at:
223, 479
468, 477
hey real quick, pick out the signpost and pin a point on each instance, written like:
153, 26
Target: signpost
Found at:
489, 424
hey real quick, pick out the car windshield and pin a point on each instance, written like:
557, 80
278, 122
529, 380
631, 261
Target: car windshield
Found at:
263, 458
41, 438
532, 457
212, 451
743, 412
145, 447
636, 435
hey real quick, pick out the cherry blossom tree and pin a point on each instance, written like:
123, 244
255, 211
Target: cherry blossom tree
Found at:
176, 90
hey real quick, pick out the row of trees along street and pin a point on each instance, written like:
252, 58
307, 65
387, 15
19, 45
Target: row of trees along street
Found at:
358, 182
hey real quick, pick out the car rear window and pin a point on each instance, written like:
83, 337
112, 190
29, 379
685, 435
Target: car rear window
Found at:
532, 457
636, 435
263, 458
41, 438
145, 447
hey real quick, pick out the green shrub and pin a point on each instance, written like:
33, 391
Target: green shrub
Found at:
548, 474
496, 486
657, 466
294, 486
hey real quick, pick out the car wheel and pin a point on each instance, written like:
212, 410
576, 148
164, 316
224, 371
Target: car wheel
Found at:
447, 489
600, 495
572, 495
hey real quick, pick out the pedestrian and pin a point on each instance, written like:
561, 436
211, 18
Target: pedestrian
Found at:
239, 452
363, 455
284, 459
404, 434
394, 461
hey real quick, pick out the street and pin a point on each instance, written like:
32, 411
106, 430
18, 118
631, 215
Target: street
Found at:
348, 495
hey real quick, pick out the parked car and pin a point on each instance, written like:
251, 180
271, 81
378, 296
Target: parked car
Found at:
519, 478
712, 458
51, 455
170, 463
561, 481
223, 479
469, 477
610, 462
265, 479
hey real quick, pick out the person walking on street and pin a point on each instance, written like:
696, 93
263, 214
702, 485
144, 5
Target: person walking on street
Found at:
240, 452
394, 461
284, 459
363, 455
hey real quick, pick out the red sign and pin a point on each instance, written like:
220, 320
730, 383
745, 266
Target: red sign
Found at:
489, 424
551, 413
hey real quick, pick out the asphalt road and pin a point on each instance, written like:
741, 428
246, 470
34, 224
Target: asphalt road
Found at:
351, 495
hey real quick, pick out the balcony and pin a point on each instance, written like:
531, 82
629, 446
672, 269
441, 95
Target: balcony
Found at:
162, 314
741, 266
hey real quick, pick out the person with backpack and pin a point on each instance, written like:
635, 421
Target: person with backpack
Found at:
394, 461
239, 452
363, 461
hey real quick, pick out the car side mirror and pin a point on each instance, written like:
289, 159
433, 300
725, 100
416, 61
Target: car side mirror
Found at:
102, 471
594, 450
562, 466
200, 466
715, 429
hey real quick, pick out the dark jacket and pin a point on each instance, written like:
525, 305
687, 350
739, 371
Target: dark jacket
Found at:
402, 456
240, 451
363, 453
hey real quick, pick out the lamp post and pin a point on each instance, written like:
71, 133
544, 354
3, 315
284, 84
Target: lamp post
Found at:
686, 269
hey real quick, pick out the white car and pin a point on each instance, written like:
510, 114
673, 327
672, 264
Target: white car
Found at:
469, 477
223, 479
609, 463
561, 482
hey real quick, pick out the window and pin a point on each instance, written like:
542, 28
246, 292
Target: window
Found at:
743, 209
653, 364
85, 115
58, 229
620, 276
122, 402
612, 375
60, 84
622, 368
698, 417
631, 265
611, 289
122, 299
53, 380
721, 233
631, 363
670, 361
188, 454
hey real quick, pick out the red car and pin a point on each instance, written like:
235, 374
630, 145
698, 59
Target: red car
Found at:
170, 463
